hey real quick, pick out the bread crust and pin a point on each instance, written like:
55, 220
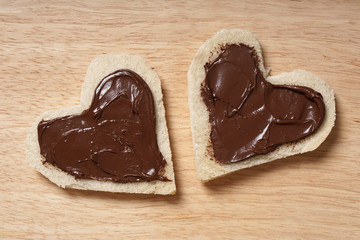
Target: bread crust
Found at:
207, 167
99, 68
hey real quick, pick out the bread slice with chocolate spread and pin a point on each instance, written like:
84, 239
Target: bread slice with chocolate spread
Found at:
116, 140
241, 117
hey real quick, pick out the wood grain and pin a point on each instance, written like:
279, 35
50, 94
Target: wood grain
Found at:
45, 48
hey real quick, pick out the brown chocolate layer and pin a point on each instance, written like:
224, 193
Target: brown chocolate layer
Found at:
113, 140
250, 116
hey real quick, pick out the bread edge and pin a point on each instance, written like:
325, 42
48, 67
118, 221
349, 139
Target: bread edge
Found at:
207, 168
99, 68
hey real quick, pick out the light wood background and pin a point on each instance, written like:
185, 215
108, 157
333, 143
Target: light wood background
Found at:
45, 48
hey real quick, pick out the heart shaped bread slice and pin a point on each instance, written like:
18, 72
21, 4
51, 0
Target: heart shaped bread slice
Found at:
241, 118
116, 140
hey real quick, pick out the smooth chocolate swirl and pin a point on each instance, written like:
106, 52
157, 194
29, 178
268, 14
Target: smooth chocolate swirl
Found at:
250, 116
113, 140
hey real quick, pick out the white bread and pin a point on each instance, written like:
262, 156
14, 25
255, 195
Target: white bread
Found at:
98, 69
207, 168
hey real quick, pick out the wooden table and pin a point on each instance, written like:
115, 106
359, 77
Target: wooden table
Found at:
45, 49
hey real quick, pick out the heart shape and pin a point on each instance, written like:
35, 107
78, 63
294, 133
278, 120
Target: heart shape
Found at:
257, 142
113, 140
249, 115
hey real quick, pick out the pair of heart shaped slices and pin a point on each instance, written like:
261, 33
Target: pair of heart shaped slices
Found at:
117, 139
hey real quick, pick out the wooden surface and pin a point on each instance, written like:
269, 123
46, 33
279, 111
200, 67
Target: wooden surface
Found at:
45, 49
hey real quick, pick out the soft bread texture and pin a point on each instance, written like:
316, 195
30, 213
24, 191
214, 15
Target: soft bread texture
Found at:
207, 168
98, 69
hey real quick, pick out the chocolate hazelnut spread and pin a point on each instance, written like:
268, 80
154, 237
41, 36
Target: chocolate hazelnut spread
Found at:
113, 140
250, 116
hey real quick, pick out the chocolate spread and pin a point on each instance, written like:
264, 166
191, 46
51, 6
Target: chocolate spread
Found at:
113, 140
250, 116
